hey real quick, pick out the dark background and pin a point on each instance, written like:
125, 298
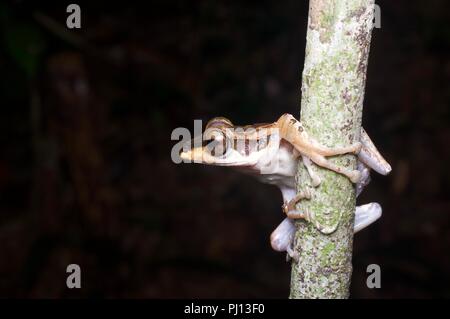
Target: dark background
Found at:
85, 170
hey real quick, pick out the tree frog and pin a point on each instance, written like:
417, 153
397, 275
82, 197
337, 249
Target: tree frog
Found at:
271, 152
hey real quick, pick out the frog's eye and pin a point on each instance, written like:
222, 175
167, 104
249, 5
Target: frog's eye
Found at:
217, 143
219, 123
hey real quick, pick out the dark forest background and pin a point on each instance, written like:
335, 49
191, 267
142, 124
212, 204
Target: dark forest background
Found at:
85, 170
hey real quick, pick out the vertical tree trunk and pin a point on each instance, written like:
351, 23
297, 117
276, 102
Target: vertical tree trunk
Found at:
337, 49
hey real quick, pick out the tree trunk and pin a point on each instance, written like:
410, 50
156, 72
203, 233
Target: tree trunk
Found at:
337, 50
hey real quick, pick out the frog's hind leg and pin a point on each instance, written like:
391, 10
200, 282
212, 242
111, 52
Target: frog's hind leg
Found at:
370, 156
366, 215
365, 177
282, 238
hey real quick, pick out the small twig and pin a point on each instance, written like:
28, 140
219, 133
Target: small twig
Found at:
337, 49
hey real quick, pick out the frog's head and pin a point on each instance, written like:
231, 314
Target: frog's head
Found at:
223, 144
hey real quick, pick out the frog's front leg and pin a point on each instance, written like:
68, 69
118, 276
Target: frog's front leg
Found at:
292, 131
289, 207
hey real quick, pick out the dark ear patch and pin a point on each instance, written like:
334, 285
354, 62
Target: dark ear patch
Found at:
219, 122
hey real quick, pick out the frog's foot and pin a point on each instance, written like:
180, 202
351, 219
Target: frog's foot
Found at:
289, 207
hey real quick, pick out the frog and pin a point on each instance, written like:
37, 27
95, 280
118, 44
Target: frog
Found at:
271, 152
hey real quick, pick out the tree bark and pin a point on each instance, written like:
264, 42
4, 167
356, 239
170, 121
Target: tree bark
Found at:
337, 50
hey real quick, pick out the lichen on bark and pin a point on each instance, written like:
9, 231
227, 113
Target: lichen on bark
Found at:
334, 74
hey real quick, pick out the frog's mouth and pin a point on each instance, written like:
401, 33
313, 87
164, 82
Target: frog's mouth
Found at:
202, 155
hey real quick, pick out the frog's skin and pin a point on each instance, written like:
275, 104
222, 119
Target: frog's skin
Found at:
271, 153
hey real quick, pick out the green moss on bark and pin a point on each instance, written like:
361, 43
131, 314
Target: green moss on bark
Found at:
338, 41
